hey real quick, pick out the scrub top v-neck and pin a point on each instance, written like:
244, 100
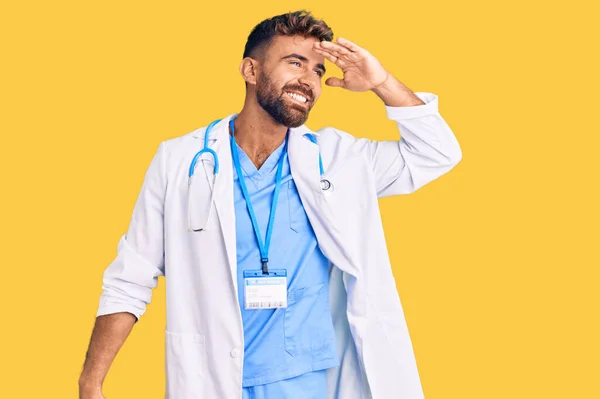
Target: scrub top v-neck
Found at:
286, 342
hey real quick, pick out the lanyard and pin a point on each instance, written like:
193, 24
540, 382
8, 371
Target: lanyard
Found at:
264, 248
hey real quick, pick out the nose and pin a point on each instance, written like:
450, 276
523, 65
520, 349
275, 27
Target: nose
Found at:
311, 80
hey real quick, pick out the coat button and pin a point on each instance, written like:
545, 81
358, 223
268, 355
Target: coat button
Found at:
235, 353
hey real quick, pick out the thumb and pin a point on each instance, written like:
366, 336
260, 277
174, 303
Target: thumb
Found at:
335, 82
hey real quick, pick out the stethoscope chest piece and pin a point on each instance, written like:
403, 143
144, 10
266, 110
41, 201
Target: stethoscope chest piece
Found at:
326, 186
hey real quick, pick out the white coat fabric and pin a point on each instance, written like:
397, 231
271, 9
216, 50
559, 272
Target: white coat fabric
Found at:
204, 332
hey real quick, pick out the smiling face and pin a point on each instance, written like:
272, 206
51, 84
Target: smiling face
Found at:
288, 81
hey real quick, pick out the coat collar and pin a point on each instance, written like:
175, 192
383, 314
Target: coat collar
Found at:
303, 155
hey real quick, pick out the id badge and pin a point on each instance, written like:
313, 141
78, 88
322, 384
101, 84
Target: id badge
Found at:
265, 291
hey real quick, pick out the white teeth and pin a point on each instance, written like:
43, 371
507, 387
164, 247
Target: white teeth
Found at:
297, 97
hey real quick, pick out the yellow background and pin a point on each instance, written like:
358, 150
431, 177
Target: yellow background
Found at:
496, 262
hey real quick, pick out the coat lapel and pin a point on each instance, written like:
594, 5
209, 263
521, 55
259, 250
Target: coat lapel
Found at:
304, 166
223, 202
304, 163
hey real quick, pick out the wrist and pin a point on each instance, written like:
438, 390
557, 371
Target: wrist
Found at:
395, 94
377, 89
89, 383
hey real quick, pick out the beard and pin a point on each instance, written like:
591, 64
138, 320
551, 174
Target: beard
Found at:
283, 111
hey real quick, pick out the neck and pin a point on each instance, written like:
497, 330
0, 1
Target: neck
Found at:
257, 133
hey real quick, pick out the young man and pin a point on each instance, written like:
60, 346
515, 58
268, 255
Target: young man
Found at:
279, 283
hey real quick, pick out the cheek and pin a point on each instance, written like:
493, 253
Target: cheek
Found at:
273, 79
282, 76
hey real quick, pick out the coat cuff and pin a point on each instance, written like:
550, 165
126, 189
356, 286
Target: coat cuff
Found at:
105, 309
429, 108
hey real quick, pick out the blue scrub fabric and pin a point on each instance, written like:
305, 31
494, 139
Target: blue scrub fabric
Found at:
283, 343
306, 386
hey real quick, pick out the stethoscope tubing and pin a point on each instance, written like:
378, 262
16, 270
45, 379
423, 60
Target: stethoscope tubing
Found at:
325, 184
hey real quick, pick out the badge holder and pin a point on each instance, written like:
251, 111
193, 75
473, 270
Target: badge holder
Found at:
265, 291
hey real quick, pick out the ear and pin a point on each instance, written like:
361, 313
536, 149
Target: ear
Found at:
248, 69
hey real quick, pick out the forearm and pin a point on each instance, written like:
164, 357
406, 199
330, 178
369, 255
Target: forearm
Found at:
395, 94
109, 334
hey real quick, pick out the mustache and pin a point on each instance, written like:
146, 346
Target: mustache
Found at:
300, 89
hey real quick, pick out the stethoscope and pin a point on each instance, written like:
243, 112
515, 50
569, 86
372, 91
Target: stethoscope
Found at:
325, 184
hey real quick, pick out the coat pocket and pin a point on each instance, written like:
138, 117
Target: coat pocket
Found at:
185, 365
308, 329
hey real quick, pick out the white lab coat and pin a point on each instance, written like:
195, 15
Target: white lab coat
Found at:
204, 332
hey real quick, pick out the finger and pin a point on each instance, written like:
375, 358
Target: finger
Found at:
331, 57
348, 44
334, 53
335, 47
335, 82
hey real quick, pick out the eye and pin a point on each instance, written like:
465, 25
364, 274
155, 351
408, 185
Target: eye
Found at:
319, 72
295, 62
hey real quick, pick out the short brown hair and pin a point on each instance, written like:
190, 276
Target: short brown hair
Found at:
290, 24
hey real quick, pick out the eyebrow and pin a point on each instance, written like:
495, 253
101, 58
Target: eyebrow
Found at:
303, 58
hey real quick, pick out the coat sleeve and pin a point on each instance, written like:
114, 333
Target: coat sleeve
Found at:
426, 150
129, 279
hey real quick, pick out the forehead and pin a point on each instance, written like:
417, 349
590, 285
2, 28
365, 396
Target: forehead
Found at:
282, 46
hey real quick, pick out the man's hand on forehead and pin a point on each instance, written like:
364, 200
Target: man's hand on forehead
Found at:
362, 71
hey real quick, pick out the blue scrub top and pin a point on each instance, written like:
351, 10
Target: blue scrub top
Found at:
287, 342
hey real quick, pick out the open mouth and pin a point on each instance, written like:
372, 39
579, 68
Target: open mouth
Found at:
299, 98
